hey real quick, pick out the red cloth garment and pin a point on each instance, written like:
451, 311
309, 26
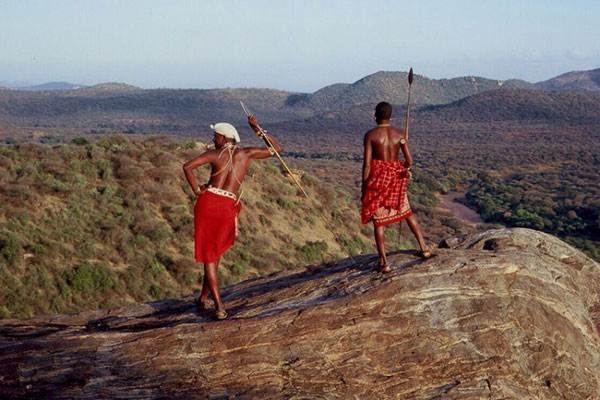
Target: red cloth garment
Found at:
385, 200
214, 226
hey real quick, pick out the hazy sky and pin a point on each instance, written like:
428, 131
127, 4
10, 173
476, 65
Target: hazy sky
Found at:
293, 45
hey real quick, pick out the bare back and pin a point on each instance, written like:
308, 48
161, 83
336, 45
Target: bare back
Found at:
228, 166
385, 142
228, 174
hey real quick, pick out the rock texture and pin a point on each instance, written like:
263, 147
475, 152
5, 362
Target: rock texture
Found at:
503, 314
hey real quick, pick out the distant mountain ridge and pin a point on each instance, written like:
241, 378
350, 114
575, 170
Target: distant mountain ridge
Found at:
389, 84
51, 86
575, 81
393, 87
117, 107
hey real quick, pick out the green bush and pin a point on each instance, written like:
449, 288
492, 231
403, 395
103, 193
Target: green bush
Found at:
79, 141
4, 312
283, 203
313, 252
88, 277
264, 220
155, 268
156, 292
10, 246
237, 268
311, 219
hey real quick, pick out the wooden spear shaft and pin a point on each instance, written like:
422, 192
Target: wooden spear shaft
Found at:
262, 134
410, 81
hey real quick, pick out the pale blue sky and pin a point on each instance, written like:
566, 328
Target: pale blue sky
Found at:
293, 45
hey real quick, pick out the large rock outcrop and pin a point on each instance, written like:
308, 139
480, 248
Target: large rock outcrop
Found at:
503, 314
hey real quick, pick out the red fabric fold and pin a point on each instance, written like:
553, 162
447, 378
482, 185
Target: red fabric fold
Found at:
385, 200
214, 226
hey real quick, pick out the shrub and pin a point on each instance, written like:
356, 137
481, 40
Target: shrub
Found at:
237, 268
10, 246
313, 251
4, 312
155, 268
283, 203
88, 277
79, 141
156, 292
264, 220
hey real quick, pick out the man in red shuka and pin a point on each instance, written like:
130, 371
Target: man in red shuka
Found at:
217, 206
384, 180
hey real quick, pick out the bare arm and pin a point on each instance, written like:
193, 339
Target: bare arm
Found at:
261, 152
190, 166
366, 162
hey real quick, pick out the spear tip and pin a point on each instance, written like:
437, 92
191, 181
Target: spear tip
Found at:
410, 76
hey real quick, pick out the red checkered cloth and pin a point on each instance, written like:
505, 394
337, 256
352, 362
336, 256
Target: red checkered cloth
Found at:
384, 200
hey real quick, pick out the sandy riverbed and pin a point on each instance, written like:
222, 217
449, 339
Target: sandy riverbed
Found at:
459, 211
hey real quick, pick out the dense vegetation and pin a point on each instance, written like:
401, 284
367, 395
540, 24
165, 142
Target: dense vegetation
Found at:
88, 225
564, 201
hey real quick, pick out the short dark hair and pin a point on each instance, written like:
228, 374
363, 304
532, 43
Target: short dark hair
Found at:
383, 110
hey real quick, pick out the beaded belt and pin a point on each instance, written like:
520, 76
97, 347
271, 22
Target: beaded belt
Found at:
222, 192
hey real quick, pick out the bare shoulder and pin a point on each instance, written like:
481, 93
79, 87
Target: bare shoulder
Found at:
398, 131
210, 153
370, 133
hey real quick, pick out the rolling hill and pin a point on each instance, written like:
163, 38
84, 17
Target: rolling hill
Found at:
393, 88
575, 81
52, 86
117, 107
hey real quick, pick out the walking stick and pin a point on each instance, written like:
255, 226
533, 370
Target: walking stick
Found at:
410, 81
262, 134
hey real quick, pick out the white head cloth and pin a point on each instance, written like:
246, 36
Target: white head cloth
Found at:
226, 130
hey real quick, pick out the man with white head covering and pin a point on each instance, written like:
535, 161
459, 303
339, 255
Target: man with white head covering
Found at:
218, 203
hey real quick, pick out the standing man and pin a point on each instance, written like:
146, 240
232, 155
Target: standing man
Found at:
218, 204
384, 180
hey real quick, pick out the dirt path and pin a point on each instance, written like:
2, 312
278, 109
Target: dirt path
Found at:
459, 211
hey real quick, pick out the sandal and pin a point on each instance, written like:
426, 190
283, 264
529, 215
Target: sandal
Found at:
425, 254
385, 268
200, 306
221, 314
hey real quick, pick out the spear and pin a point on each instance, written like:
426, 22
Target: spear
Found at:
410, 81
265, 138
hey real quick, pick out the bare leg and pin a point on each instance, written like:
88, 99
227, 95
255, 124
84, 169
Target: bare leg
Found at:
380, 240
200, 306
414, 227
210, 273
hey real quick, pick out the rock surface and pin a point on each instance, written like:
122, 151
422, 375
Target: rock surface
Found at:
503, 314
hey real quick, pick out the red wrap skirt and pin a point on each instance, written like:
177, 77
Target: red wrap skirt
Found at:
214, 226
385, 200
